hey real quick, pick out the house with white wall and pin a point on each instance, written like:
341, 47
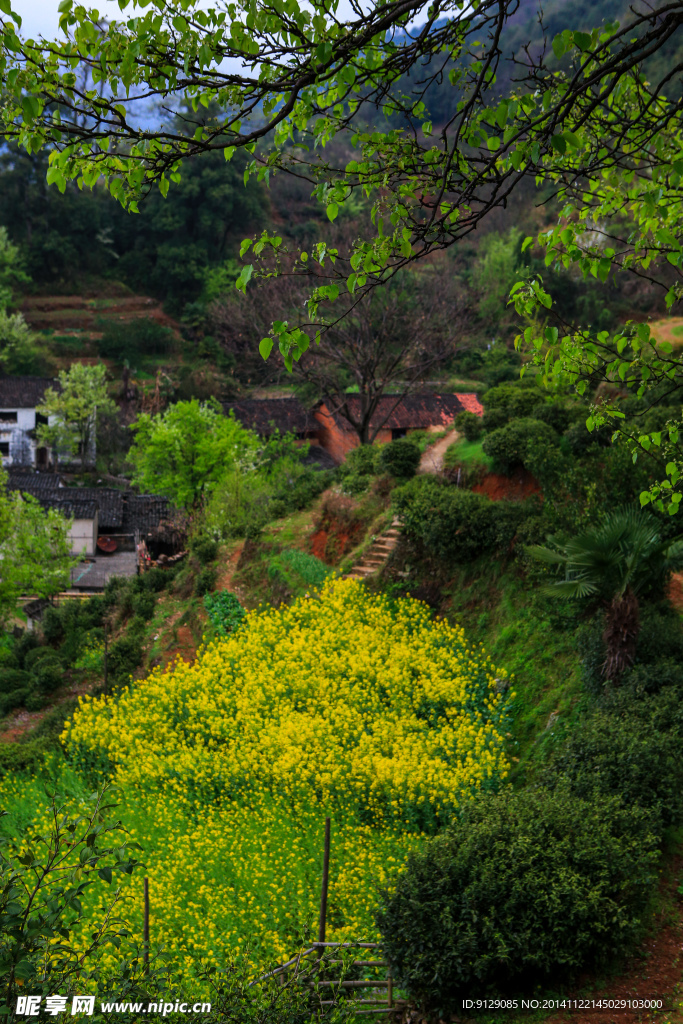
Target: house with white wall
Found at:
19, 398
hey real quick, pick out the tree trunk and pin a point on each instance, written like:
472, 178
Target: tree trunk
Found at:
621, 635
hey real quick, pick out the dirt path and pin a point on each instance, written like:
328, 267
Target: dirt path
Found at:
432, 458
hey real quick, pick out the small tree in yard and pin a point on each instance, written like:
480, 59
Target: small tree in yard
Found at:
184, 452
73, 410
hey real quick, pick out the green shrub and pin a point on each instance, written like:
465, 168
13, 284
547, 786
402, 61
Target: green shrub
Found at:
205, 549
38, 655
399, 459
453, 523
516, 399
143, 605
631, 751
651, 678
49, 675
494, 419
18, 757
526, 889
13, 699
469, 424
12, 679
25, 644
512, 445
224, 611
363, 459
206, 580
124, 656
35, 700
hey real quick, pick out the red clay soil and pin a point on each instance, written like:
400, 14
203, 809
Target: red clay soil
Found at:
74, 312
675, 591
330, 546
503, 488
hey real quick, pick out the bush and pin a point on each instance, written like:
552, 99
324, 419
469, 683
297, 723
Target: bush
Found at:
124, 656
205, 549
494, 419
206, 581
528, 888
469, 424
628, 751
514, 399
12, 679
39, 654
143, 605
453, 523
13, 699
35, 701
399, 459
18, 757
363, 459
512, 445
25, 644
49, 675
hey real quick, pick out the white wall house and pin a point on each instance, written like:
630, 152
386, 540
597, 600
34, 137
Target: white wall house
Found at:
19, 399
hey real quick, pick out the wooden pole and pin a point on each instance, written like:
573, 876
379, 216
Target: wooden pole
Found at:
146, 925
323, 892
105, 656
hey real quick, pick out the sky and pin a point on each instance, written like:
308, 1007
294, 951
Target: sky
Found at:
41, 17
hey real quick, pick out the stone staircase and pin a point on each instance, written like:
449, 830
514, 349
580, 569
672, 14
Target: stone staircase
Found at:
377, 554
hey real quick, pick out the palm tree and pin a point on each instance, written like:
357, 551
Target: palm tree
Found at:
615, 563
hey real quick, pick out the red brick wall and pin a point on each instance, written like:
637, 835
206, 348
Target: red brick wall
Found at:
335, 441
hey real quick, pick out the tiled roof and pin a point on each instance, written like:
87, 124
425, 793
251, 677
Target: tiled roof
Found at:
109, 502
144, 512
471, 403
265, 415
32, 483
78, 508
412, 412
24, 392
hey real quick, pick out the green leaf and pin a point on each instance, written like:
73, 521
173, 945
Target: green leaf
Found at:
105, 874
332, 210
244, 278
265, 347
558, 143
527, 242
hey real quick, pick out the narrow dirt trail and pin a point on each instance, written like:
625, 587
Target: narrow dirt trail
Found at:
432, 458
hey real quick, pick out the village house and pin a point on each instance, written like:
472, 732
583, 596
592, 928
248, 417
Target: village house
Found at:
107, 528
395, 418
19, 397
331, 433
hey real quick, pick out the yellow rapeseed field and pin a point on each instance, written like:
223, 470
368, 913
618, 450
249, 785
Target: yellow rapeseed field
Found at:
343, 704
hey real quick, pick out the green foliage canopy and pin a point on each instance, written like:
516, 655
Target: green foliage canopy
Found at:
73, 409
187, 450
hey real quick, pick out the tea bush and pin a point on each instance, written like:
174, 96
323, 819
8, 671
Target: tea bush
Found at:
399, 459
469, 424
525, 890
453, 523
511, 446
